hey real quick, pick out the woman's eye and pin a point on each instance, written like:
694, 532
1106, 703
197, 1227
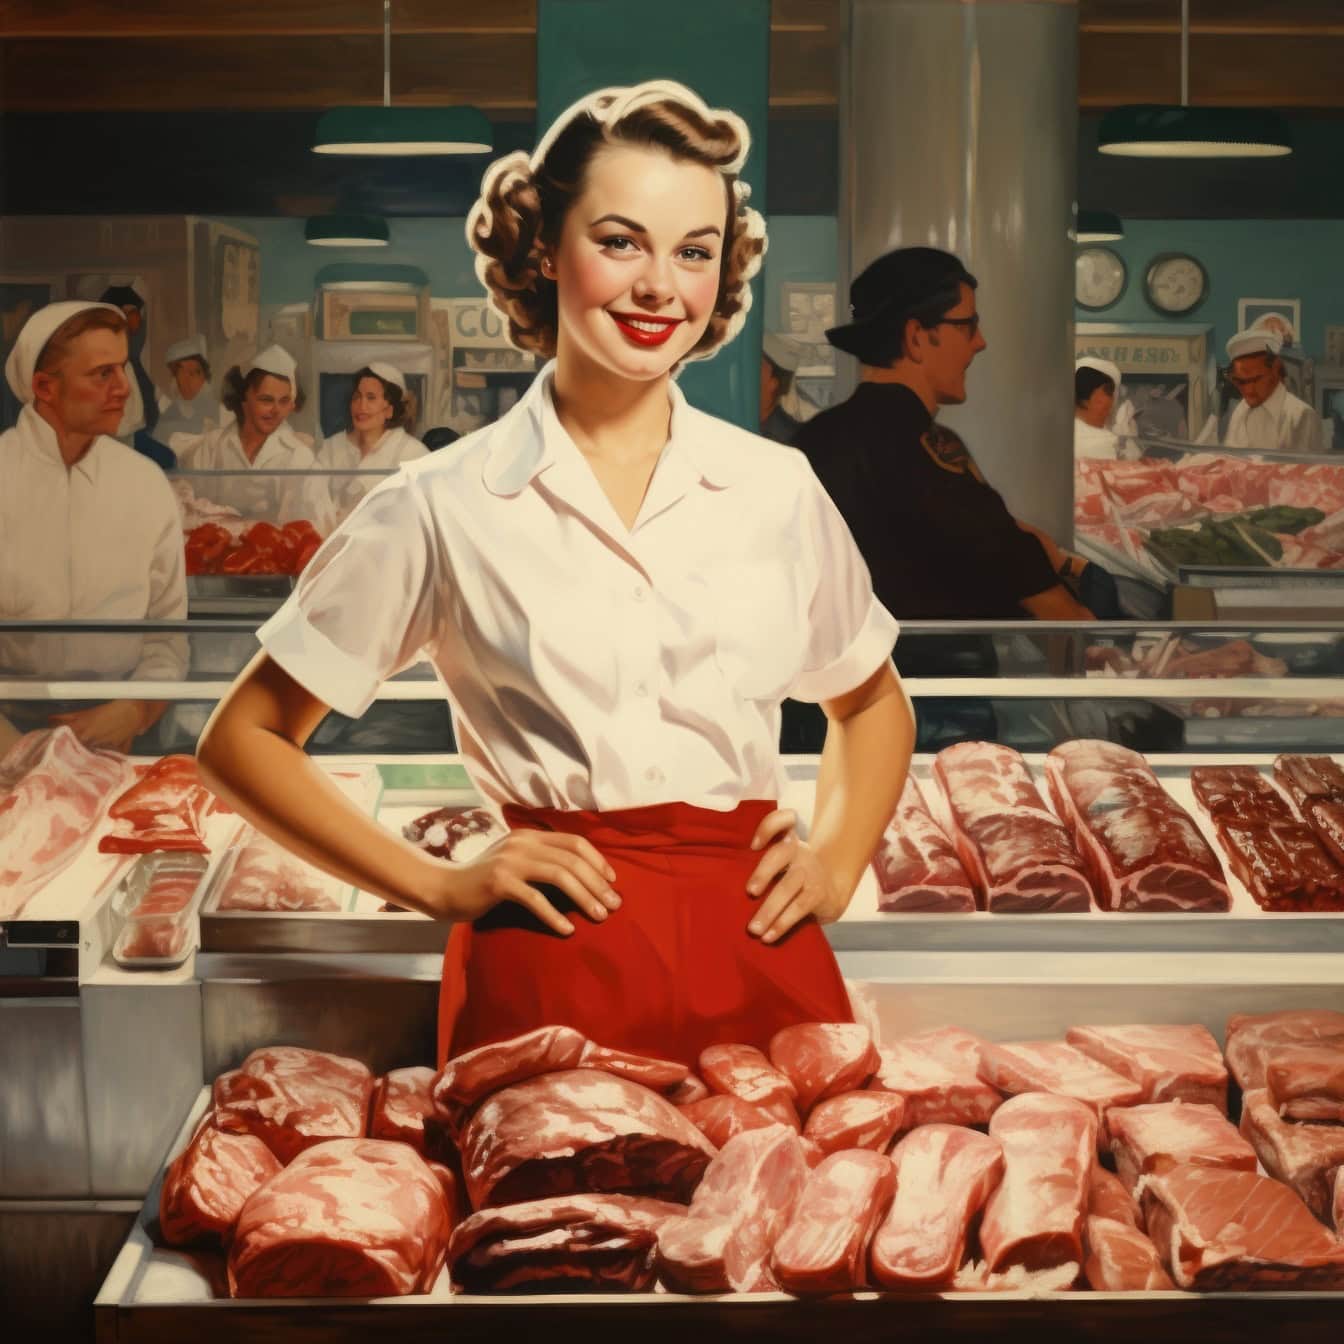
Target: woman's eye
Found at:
696, 254
618, 243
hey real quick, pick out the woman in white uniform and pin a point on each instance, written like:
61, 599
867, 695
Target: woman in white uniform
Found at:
617, 591
1096, 382
255, 443
192, 407
381, 409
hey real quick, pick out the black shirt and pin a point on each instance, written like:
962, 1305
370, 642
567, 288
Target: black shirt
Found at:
938, 539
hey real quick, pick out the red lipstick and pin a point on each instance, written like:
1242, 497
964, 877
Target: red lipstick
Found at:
650, 331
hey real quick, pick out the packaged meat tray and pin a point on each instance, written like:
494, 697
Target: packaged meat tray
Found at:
158, 902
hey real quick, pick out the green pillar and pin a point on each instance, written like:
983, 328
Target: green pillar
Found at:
719, 48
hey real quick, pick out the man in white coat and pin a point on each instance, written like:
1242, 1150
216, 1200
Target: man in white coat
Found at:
88, 527
1268, 416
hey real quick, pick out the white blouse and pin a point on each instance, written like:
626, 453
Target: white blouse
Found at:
340, 452
101, 539
1281, 423
587, 665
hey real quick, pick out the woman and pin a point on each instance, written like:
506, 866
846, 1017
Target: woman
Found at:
617, 591
381, 409
260, 398
1095, 384
193, 405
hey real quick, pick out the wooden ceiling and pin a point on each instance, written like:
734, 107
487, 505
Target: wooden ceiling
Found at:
157, 55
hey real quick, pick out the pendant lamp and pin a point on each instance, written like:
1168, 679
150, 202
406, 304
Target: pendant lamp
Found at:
404, 131
1098, 226
346, 231
1162, 131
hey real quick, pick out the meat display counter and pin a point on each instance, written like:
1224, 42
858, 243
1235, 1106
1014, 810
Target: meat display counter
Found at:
104, 1063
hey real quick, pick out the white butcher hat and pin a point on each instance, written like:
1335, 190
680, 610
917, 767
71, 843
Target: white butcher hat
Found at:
387, 373
782, 352
190, 347
276, 360
1112, 371
1253, 342
37, 331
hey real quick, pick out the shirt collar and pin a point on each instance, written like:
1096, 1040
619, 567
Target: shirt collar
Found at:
1274, 403
530, 437
43, 438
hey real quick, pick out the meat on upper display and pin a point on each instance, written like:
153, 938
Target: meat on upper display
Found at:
916, 864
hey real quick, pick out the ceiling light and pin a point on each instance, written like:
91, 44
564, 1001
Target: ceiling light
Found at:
346, 231
1098, 226
389, 130
1163, 131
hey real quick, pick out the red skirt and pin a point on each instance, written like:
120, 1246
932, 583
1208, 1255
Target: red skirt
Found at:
670, 972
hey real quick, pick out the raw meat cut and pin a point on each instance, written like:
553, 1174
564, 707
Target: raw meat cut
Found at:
722, 1118
1308, 779
956, 1047
165, 809
348, 1218
292, 1098
1337, 1204
1170, 1062
169, 892
823, 1059
690, 1089
157, 938
916, 865
855, 1120
1052, 1066
1019, 854
569, 1243
1253, 1037
266, 876
1034, 1218
944, 1175
1305, 1157
933, 1089
402, 1098
744, 1071
1307, 1082
824, 1246
1326, 820
1147, 1138
207, 1184
745, 1201
1238, 793
1142, 849
1284, 866
660, 1074
1219, 1230
1107, 1197
455, 833
576, 1130
52, 792
477, 1073
1120, 1259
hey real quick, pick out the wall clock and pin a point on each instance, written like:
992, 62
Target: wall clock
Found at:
1176, 283
1099, 277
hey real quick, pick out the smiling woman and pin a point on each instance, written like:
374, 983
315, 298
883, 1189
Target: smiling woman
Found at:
617, 591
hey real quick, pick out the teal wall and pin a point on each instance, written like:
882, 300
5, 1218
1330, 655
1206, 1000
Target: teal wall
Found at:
802, 248
1246, 259
722, 51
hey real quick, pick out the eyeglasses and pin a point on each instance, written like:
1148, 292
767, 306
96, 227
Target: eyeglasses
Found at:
970, 324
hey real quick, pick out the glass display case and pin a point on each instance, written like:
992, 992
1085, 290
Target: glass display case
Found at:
349, 976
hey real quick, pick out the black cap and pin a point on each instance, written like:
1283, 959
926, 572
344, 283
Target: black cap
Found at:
121, 296
889, 292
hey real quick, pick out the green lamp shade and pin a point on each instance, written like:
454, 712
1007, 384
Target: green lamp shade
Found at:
346, 231
403, 130
1168, 132
1098, 226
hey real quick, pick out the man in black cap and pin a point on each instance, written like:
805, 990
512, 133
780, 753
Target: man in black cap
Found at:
937, 536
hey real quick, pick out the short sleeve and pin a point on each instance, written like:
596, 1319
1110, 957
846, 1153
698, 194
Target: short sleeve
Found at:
365, 605
850, 632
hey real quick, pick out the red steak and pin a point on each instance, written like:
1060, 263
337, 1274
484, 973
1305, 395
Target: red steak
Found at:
916, 863
744, 1071
1253, 1037
208, 1183
1148, 1138
1305, 1157
349, 1218
1170, 1063
1307, 1082
823, 1059
1120, 1259
722, 1118
401, 1101
856, 1120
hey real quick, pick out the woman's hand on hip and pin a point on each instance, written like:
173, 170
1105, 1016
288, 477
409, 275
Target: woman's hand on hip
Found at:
508, 870
792, 877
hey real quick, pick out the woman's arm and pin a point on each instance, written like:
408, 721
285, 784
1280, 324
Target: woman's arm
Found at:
251, 754
870, 736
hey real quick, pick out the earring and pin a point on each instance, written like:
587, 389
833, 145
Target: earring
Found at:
548, 267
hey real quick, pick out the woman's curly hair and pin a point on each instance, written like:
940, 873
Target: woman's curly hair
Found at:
524, 200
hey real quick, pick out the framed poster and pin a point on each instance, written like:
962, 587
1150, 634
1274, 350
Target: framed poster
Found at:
1281, 315
808, 309
373, 314
1330, 403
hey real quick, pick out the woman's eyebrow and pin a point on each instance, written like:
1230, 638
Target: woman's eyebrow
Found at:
619, 219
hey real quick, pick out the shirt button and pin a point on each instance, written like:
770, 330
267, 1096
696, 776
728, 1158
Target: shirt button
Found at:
654, 775
641, 592
641, 688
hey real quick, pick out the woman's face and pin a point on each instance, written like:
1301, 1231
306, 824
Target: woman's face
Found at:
638, 260
369, 407
267, 405
1097, 407
189, 377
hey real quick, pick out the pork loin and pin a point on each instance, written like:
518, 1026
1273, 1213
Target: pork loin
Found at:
1170, 1062
1147, 1138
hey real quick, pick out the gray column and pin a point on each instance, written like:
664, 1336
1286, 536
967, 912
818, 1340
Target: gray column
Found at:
959, 125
